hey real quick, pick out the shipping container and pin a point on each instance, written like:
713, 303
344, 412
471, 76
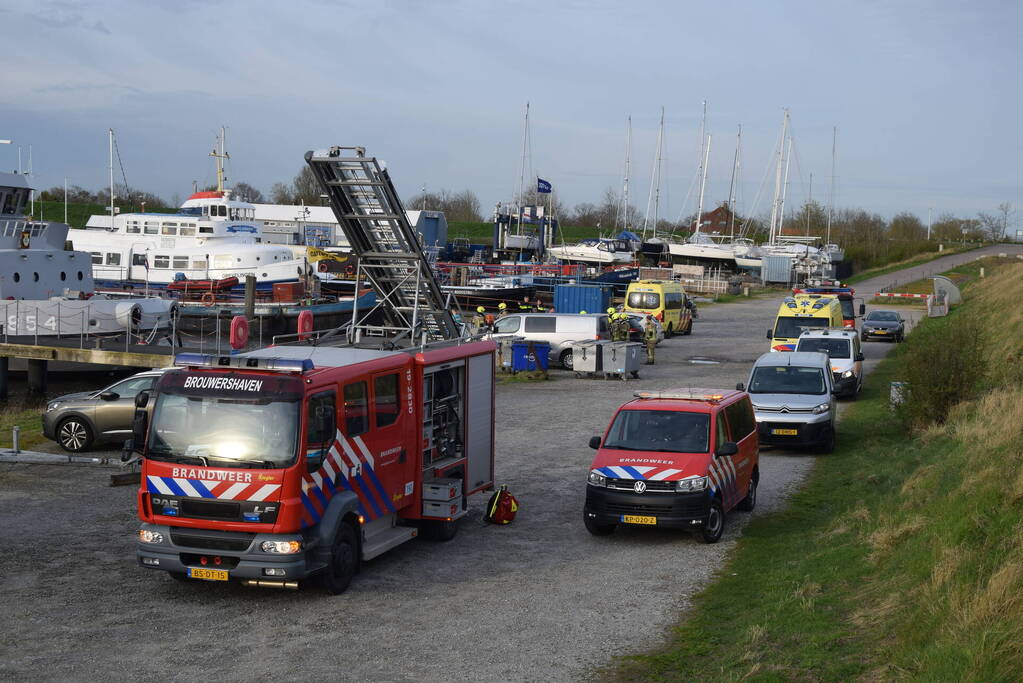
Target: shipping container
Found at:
579, 298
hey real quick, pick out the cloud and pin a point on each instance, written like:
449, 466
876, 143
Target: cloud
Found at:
62, 14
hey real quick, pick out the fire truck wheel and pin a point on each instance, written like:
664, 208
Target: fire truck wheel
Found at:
344, 561
715, 524
437, 530
599, 529
750, 501
74, 434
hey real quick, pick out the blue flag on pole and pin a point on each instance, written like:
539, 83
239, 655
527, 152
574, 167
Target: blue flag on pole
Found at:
542, 186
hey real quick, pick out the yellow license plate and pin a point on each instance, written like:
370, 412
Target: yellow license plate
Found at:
880, 331
638, 519
207, 574
785, 432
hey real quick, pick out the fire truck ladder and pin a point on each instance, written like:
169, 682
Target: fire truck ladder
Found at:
388, 249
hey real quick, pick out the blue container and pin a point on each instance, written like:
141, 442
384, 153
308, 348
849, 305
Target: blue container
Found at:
578, 298
523, 360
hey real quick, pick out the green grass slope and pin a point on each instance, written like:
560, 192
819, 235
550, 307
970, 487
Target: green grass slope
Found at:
902, 556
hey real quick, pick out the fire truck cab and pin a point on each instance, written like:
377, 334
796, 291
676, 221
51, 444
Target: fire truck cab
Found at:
294, 462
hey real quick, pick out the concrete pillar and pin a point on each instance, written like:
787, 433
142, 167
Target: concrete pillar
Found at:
4, 365
250, 297
37, 376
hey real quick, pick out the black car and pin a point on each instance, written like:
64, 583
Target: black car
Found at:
883, 325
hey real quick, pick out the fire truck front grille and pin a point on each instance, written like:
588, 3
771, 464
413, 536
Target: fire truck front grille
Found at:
209, 509
206, 541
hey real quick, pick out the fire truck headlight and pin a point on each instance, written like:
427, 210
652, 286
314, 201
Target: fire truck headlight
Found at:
692, 484
596, 479
281, 547
150, 536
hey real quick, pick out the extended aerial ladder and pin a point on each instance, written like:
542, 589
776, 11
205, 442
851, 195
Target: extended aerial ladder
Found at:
387, 248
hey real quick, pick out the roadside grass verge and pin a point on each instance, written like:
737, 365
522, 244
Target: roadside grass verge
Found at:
902, 555
27, 417
908, 263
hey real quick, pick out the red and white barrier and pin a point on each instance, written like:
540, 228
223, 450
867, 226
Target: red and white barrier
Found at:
905, 296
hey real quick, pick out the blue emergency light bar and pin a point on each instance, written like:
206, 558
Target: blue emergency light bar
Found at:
207, 360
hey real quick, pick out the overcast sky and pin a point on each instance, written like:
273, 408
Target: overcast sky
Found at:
925, 94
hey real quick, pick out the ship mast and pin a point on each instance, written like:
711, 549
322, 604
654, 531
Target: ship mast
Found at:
731, 186
772, 231
623, 212
110, 167
831, 191
220, 155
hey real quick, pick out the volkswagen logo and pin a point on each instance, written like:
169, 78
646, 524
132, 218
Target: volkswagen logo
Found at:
639, 486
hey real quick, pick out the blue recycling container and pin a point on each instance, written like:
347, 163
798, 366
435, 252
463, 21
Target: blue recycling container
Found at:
523, 360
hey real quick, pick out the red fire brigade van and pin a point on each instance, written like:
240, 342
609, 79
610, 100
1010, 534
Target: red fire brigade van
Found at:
679, 459
294, 462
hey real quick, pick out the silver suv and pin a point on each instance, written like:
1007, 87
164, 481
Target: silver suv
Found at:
77, 421
793, 399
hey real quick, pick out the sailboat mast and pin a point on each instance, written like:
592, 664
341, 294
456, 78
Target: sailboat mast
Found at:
784, 187
110, 168
522, 174
623, 210
731, 186
703, 185
657, 191
772, 231
655, 181
831, 191
809, 204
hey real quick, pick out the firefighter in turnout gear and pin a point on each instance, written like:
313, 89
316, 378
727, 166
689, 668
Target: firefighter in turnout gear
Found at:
479, 321
650, 339
502, 309
620, 331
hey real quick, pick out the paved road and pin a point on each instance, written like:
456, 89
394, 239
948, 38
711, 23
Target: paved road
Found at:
538, 600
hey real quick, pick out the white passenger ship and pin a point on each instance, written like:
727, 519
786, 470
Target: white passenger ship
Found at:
211, 237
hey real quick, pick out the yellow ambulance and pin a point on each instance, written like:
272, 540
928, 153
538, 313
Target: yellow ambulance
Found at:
800, 313
665, 300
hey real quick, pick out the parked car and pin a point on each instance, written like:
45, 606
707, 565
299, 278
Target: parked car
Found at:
679, 459
793, 398
883, 325
78, 421
843, 348
557, 329
637, 322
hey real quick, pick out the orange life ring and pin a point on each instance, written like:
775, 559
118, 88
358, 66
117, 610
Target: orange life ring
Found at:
322, 266
208, 299
350, 269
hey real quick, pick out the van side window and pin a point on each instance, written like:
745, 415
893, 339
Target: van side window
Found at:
385, 399
506, 325
673, 300
320, 418
541, 324
720, 433
356, 409
740, 420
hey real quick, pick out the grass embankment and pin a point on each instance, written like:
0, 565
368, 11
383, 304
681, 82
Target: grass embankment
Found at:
27, 417
900, 557
960, 276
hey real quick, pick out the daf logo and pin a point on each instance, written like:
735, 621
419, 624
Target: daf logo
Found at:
639, 486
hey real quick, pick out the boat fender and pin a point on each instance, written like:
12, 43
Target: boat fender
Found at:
305, 324
239, 332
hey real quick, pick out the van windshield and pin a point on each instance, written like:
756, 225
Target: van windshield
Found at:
784, 379
835, 348
644, 300
660, 430
789, 327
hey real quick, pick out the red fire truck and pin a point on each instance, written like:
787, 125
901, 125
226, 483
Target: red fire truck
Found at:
329, 447
281, 464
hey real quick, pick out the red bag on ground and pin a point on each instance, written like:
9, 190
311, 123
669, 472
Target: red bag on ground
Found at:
501, 507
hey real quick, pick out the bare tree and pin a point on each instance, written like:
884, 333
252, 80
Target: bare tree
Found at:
247, 193
1006, 212
281, 193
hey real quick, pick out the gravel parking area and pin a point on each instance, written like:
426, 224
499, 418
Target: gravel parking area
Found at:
538, 600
